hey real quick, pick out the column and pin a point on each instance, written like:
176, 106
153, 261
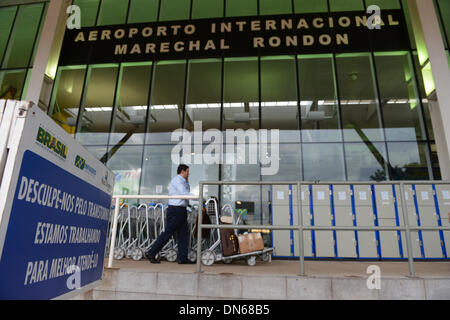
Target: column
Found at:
428, 33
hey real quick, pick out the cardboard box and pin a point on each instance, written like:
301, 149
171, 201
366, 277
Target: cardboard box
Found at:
250, 242
244, 243
256, 241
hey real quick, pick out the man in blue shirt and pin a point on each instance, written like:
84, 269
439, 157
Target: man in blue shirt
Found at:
176, 218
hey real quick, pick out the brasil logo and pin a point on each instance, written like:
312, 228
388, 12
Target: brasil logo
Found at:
80, 163
48, 140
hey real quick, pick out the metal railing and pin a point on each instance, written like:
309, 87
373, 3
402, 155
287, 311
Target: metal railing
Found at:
300, 227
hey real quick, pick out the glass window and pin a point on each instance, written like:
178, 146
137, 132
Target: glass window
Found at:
310, 6
425, 105
93, 127
241, 106
39, 34
399, 99
203, 172
288, 161
207, 9
20, 46
174, 10
130, 113
245, 197
125, 162
360, 117
323, 161
236, 8
100, 152
444, 7
275, 7
346, 5
157, 170
435, 162
279, 107
366, 161
408, 23
7, 15
143, 11
112, 12
66, 97
89, 9
384, 4
408, 160
167, 101
11, 84
204, 94
319, 103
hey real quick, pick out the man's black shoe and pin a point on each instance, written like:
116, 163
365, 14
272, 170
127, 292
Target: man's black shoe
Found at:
187, 262
152, 259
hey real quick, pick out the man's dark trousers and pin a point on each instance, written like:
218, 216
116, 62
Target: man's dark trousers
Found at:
176, 221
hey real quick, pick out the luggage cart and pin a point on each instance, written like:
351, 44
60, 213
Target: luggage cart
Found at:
211, 255
123, 239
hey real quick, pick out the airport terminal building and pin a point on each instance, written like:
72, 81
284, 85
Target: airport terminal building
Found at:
351, 103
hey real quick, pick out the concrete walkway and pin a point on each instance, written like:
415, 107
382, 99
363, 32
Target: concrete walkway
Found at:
275, 280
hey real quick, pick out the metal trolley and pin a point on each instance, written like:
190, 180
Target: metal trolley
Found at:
213, 253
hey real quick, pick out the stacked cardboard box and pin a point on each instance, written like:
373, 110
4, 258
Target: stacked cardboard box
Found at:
250, 242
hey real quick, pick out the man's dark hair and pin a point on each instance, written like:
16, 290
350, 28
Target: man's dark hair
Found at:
182, 167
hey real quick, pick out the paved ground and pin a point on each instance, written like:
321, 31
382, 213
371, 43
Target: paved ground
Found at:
333, 269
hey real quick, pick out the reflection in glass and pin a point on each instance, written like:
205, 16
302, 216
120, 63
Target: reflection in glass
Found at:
409, 160
89, 9
324, 161
288, 162
308, 6
385, 4
444, 7
94, 125
7, 15
130, 111
241, 106
399, 100
346, 5
143, 11
360, 117
112, 12
166, 109
279, 107
204, 94
435, 162
425, 104
157, 170
20, 46
174, 10
366, 162
98, 151
319, 111
66, 98
275, 7
203, 171
207, 9
235, 8
244, 197
11, 84
125, 162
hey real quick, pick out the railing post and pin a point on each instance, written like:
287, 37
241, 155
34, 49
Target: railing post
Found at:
113, 233
300, 230
199, 227
408, 232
